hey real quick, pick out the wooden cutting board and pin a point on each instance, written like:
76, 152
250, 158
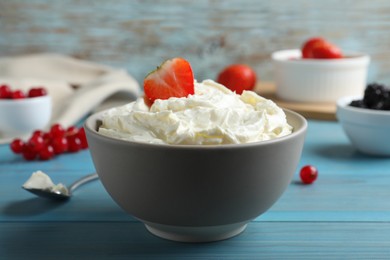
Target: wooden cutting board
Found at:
322, 111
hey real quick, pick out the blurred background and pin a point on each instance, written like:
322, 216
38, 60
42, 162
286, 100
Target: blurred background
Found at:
139, 35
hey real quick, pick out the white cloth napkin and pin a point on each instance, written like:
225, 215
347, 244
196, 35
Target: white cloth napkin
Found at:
77, 87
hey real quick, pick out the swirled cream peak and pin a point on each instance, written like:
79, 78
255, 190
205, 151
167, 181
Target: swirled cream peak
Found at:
213, 115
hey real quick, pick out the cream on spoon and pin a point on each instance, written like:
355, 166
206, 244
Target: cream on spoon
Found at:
40, 184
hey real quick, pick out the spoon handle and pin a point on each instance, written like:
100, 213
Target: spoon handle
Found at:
85, 179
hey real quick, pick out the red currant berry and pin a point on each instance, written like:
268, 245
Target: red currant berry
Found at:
46, 136
37, 92
36, 142
60, 144
74, 143
83, 138
57, 130
37, 133
17, 145
18, 94
46, 153
72, 130
308, 174
28, 153
5, 92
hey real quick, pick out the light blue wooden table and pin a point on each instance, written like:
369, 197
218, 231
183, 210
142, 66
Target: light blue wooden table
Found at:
345, 214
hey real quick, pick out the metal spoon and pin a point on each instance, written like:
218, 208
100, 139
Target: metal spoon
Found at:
65, 193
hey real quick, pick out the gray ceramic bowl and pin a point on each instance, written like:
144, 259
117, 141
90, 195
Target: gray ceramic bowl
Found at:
196, 193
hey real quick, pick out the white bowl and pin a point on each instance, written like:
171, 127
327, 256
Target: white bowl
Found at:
367, 129
19, 117
319, 80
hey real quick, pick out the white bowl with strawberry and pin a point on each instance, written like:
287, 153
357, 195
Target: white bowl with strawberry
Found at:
319, 72
23, 112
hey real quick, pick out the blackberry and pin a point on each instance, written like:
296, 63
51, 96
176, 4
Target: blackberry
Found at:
386, 103
358, 103
375, 96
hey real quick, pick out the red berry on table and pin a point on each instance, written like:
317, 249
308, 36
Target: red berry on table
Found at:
47, 136
83, 138
74, 143
72, 130
18, 94
237, 77
17, 145
57, 130
46, 153
28, 153
60, 144
38, 133
46, 145
36, 142
173, 78
37, 92
5, 92
308, 174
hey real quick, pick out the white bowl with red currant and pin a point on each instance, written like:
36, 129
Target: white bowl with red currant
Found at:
319, 72
366, 119
22, 112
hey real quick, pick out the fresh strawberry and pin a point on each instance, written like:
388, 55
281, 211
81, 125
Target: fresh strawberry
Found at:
326, 50
319, 48
307, 48
173, 78
237, 77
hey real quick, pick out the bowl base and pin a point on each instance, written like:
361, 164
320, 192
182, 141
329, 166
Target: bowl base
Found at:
196, 234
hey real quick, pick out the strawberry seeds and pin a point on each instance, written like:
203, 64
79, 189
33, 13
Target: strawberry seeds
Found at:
173, 78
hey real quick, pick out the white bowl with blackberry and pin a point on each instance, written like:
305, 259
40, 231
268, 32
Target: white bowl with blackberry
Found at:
366, 119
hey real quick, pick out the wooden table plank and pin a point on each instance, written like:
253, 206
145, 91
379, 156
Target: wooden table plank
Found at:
318, 110
261, 240
344, 214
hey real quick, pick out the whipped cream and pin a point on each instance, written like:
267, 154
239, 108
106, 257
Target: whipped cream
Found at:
213, 115
40, 180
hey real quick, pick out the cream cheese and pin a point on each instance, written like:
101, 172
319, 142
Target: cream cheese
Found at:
213, 115
40, 180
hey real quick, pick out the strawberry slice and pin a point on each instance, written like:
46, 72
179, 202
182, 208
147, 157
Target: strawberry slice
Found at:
173, 78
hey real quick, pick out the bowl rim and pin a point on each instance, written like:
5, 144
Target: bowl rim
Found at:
92, 120
294, 56
343, 104
23, 100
